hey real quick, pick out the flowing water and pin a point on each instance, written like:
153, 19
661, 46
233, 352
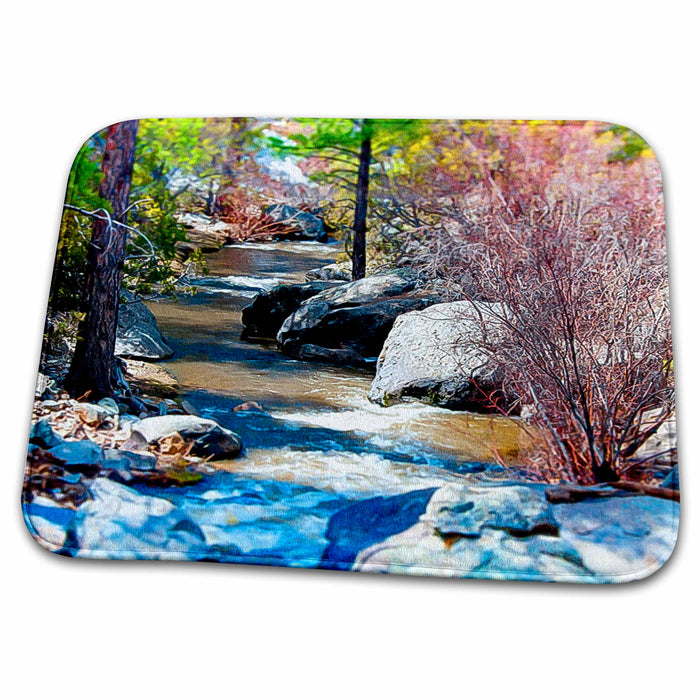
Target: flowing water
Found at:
319, 444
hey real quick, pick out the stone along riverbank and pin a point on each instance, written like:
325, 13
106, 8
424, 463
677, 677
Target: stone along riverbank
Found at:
327, 478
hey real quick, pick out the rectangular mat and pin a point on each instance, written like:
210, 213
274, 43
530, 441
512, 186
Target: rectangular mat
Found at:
382, 345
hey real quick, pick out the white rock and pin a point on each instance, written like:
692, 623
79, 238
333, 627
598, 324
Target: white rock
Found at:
472, 531
210, 439
137, 332
436, 355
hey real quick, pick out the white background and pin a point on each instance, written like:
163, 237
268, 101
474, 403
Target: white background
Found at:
99, 630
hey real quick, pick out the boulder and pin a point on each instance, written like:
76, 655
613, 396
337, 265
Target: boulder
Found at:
348, 323
209, 438
266, 314
660, 450
94, 414
137, 332
123, 460
121, 523
78, 453
47, 521
436, 355
338, 272
81, 456
516, 509
511, 531
296, 224
109, 405
150, 379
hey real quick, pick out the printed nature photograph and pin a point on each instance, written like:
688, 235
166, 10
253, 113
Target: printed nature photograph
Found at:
427, 347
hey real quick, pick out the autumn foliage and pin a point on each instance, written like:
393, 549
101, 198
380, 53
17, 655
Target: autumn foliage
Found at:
572, 243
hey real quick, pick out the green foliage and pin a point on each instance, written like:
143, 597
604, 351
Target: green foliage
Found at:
74, 233
197, 261
155, 217
631, 145
194, 148
166, 147
339, 140
335, 145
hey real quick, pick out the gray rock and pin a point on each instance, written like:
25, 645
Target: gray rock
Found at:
361, 524
128, 461
339, 272
150, 379
247, 521
210, 439
348, 323
280, 521
45, 387
332, 356
203, 233
121, 523
510, 531
298, 224
137, 332
95, 414
436, 355
110, 405
519, 510
266, 314
79, 455
47, 521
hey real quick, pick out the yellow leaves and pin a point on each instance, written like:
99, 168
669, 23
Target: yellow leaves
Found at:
149, 208
605, 138
494, 159
424, 143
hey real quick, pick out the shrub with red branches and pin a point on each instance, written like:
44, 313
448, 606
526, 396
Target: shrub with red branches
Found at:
572, 243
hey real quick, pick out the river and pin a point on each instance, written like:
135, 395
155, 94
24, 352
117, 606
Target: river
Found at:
319, 445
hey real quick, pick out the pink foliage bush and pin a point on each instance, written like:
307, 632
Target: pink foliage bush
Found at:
539, 218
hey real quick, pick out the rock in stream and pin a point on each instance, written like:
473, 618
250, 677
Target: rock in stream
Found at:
264, 317
436, 355
348, 323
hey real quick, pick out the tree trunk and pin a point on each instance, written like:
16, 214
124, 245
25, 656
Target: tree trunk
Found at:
91, 369
603, 472
359, 227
